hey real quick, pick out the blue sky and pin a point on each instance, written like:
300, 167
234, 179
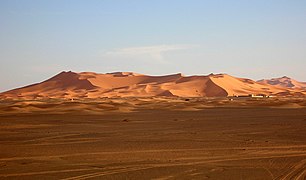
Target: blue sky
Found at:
252, 39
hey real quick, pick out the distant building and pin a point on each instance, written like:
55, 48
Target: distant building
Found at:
253, 96
257, 95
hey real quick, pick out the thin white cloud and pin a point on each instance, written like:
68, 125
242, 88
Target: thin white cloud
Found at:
156, 52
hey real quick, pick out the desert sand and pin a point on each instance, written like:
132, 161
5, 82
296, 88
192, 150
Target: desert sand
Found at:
125, 125
71, 85
153, 138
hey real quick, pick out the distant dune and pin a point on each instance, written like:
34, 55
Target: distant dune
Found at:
128, 84
285, 82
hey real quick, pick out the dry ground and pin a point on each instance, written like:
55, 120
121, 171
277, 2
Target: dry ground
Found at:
153, 138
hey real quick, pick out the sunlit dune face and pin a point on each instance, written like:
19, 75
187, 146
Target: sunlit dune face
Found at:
130, 84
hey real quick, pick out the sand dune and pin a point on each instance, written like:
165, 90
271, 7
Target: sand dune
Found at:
73, 85
242, 86
156, 137
285, 82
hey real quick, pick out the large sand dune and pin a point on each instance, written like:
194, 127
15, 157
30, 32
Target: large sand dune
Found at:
129, 84
151, 137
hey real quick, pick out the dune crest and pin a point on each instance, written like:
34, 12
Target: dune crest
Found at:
130, 84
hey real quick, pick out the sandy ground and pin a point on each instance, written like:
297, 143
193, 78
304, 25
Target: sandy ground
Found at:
153, 138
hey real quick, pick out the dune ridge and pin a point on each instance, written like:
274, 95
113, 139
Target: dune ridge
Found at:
129, 84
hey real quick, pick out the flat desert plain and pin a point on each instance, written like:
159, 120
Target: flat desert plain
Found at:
153, 138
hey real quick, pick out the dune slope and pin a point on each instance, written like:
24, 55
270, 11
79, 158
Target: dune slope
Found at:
128, 84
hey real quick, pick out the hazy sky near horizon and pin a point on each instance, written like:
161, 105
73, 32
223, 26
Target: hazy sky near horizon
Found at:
252, 39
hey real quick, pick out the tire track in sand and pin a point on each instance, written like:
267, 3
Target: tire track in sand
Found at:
147, 151
297, 171
219, 159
